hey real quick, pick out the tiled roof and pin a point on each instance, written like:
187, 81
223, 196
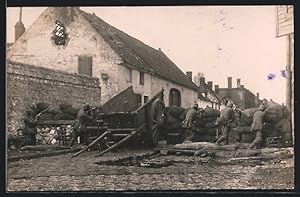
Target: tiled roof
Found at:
213, 93
137, 54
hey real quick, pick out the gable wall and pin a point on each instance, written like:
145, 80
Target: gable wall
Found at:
35, 47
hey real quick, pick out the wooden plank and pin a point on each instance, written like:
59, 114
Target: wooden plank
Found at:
91, 144
121, 142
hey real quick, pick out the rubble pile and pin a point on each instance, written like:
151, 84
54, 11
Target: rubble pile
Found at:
53, 135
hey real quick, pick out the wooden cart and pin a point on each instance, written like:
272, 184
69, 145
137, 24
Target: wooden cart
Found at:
142, 125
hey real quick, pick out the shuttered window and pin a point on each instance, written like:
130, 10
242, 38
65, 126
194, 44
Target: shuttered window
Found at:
85, 65
141, 78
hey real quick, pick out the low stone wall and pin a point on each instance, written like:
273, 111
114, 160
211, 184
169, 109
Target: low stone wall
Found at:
28, 84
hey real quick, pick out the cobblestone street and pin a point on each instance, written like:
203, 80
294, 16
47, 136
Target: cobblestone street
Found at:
63, 173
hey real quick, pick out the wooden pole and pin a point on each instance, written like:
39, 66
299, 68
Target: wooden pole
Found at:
289, 77
91, 144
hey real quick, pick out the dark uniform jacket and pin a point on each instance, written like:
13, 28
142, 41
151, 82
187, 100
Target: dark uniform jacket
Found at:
189, 117
258, 118
30, 124
226, 116
82, 119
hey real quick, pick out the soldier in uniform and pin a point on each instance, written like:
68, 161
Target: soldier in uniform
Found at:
227, 116
187, 123
29, 131
79, 127
257, 124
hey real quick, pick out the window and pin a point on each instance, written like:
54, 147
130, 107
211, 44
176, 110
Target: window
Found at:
146, 98
85, 65
138, 99
141, 78
130, 75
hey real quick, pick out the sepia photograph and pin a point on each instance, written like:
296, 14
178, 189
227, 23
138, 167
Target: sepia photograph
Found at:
150, 98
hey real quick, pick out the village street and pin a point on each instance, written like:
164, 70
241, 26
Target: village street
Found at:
63, 173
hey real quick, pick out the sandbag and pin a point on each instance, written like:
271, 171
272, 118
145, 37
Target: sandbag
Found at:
247, 137
42, 106
54, 111
201, 130
249, 112
245, 121
64, 116
204, 138
270, 133
71, 111
176, 111
209, 119
274, 113
210, 124
174, 126
64, 106
46, 116
284, 126
210, 112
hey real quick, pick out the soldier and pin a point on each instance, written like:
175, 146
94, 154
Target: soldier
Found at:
227, 116
187, 123
79, 127
256, 126
29, 131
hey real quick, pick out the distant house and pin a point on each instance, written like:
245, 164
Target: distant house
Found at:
207, 96
71, 40
241, 96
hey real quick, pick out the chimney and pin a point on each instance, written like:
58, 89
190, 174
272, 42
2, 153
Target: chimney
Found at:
238, 82
229, 82
210, 85
257, 95
19, 27
202, 80
190, 75
217, 89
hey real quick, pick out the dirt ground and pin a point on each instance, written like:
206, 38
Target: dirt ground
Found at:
274, 169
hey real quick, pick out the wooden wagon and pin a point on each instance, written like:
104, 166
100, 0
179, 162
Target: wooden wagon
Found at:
141, 125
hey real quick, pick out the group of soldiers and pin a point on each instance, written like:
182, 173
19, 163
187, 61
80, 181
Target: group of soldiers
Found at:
79, 127
225, 123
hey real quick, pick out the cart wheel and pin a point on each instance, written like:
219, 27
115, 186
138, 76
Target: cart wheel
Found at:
157, 114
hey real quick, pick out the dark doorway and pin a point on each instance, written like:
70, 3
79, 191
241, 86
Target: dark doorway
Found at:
174, 98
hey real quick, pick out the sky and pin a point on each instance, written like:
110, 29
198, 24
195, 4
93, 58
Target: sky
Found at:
218, 41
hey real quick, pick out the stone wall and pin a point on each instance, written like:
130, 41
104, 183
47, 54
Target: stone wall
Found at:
28, 84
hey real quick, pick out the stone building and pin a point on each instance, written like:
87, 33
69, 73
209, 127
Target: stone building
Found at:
71, 40
241, 96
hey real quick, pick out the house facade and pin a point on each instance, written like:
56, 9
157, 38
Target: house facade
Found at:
241, 96
209, 97
71, 40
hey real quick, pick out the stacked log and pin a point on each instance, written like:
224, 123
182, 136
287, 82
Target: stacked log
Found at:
227, 151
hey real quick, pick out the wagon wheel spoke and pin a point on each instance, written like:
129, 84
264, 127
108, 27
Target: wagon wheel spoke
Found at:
154, 127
